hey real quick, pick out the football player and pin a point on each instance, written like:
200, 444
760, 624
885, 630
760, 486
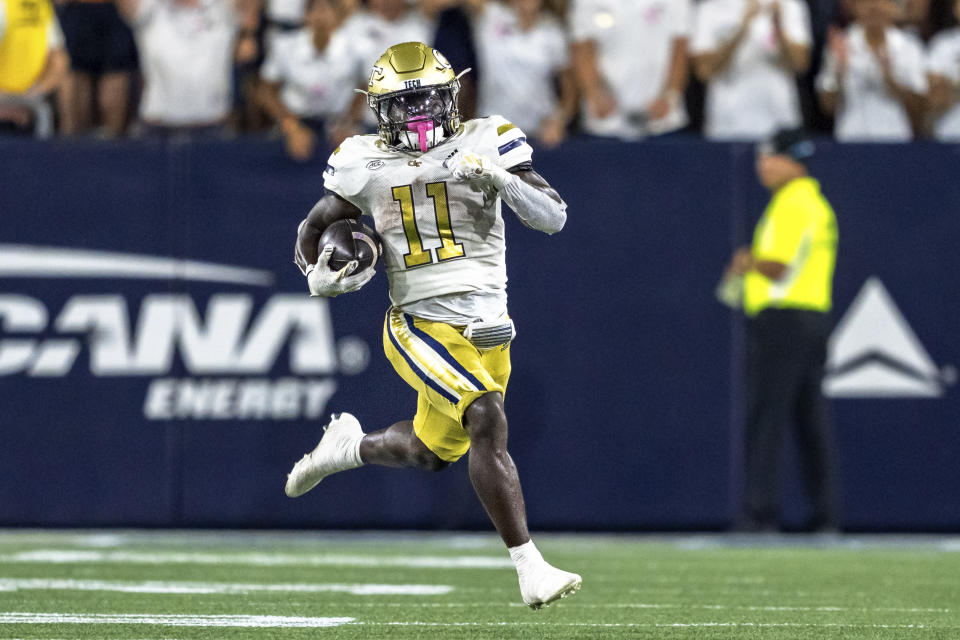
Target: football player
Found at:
433, 185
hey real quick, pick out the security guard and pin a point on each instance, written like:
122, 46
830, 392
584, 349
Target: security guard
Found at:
787, 278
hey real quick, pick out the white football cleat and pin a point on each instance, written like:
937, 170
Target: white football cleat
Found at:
339, 450
547, 584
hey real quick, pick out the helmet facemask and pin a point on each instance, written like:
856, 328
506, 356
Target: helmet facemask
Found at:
420, 118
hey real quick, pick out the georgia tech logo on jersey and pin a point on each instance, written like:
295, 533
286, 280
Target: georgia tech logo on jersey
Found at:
243, 356
875, 354
373, 165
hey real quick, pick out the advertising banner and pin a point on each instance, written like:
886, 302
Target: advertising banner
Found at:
161, 363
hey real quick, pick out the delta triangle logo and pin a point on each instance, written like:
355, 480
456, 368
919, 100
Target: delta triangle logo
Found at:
873, 353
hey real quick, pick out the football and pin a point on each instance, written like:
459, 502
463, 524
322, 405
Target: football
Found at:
351, 240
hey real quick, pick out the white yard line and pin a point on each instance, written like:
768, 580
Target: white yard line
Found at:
170, 620
314, 622
658, 625
360, 589
166, 587
89, 556
724, 607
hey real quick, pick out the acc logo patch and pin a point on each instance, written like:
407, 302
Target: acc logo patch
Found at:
373, 165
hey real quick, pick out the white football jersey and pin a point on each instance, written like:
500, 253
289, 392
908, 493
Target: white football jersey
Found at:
444, 248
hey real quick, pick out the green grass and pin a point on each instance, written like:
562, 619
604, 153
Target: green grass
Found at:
633, 587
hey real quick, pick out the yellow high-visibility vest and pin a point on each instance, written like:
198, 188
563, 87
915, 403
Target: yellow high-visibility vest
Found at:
24, 49
798, 229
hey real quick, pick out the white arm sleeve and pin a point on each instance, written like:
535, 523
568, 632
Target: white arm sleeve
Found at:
535, 208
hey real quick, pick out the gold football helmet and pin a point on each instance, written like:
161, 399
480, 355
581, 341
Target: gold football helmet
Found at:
413, 92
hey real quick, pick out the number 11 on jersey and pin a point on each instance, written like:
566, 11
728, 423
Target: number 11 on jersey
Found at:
418, 256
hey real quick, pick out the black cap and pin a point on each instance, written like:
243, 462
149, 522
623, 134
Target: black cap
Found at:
789, 142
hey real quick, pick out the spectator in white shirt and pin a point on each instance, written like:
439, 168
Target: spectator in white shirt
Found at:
522, 53
283, 16
307, 80
187, 52
943, 67
631, 63
748, 53
874, 77
383, 23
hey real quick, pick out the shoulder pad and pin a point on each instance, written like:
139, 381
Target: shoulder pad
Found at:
344, 174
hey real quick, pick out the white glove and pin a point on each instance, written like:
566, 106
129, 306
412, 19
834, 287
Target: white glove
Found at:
473, 167
730, 291
324, 281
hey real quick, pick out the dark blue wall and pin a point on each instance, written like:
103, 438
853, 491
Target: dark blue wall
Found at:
624, 401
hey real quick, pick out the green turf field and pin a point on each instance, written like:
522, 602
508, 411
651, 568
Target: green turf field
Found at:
364, 585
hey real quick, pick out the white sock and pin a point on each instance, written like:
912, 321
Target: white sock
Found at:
525, 556
356, 459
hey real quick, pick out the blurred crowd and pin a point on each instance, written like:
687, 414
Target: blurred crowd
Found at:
865, 70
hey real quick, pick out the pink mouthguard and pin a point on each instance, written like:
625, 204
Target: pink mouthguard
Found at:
421, 126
